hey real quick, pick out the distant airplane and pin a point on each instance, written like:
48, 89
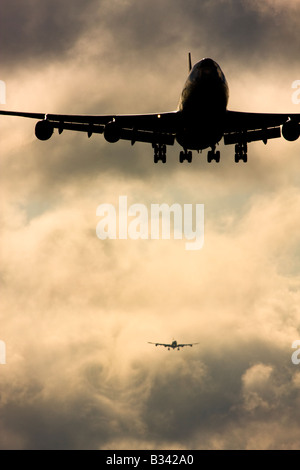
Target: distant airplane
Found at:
200, 121
173, 345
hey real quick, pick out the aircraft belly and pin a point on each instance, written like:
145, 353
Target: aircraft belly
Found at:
203, 109
203, 133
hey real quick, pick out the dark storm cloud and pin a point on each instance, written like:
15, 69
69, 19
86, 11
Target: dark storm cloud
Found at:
46, 30
41, 30
234, 30
238, 32
46, 424
195, 401
184, 404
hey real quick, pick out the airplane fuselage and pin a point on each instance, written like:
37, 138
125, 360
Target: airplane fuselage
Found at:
203, 104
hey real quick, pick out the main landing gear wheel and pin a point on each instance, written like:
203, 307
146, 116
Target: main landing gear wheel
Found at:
185, 155
213, 155
160, 153
240, 152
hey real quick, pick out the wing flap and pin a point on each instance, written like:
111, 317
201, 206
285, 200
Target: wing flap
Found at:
236, 121
88, 128
125, 134
164, 122
251, 136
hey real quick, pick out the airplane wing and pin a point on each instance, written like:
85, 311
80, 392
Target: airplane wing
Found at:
186, 344
161, 344
243, 127
161, 129
157, 128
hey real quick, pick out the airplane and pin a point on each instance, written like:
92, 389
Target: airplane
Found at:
173, 345
200, 121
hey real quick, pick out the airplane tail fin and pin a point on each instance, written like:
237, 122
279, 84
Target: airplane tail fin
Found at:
190, 62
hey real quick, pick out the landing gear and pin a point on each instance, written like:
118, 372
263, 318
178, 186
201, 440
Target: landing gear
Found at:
160, 153
213, 155
185, 155
240, 152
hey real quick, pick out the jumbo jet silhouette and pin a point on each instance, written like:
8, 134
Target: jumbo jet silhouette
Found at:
173, 345
200, 121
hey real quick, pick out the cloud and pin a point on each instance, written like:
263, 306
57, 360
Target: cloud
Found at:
271, 7
44, 31
256, 381
79, 340
76, 312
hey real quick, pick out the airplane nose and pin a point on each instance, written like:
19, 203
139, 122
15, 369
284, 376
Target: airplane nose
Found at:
208, 68
207, 63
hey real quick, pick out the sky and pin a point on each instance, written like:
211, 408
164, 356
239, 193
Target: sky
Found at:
77, 312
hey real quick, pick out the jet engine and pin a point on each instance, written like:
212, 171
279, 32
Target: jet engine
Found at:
112, 132
291, 130
44, 130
